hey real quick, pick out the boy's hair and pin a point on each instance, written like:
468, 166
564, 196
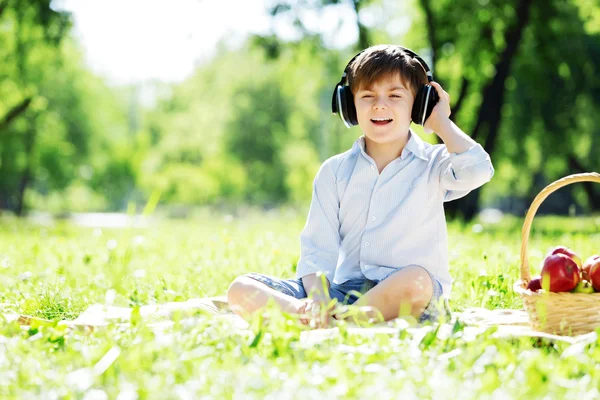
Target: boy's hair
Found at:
381, 61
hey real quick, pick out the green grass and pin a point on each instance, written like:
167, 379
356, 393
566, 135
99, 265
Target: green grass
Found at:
56, 272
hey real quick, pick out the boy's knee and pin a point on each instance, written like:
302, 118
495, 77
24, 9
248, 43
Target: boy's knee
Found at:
420, 277
421, 286
238, 288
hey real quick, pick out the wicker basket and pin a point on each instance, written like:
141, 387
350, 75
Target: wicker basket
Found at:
557, 313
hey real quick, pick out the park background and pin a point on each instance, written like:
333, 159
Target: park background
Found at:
216, 113
227, 103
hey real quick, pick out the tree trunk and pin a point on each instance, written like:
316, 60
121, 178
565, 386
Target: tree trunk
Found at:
592, 195
434, 44
27, 172
3, 6
363, 32
3, 200
489, 115
431, 35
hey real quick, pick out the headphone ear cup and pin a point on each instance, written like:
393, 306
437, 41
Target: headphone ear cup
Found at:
335, 108
425, 100
417, 109
349, 107
342, 104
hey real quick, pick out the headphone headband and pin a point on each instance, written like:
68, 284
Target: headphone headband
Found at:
406, 50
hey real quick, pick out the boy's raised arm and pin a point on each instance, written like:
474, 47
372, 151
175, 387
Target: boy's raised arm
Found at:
320, 239
464, 164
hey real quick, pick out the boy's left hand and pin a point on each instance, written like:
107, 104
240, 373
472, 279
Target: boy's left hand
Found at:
441, 111
316, 312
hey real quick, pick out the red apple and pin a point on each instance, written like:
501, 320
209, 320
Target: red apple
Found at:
562, 271
595, 274
585, 271
535, 284
567, 252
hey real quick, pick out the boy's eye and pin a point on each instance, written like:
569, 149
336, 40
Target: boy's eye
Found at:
396, 95
367, 96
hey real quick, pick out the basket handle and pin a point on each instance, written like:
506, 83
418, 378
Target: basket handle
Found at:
554, 186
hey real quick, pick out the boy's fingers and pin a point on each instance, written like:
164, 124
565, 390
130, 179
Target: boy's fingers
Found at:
438, 88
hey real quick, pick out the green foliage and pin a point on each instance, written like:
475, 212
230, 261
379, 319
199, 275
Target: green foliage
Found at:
253, 123
545, 123
255, 135
231, 134
31, 39
548, 114
49, 144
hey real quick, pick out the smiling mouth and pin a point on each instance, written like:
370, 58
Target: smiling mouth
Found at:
381, 121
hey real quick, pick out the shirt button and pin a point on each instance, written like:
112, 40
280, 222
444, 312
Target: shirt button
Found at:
367, 266
373, 218
367, 244
372, 167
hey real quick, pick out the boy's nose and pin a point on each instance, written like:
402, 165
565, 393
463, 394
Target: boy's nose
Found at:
379, 105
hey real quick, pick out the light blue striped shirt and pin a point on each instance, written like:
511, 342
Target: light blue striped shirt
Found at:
365, 224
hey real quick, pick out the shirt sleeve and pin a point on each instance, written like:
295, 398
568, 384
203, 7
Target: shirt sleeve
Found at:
462, 172
320, 239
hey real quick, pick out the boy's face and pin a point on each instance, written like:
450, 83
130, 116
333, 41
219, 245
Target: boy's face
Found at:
384, 109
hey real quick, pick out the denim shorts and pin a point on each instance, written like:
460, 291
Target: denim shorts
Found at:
348, 292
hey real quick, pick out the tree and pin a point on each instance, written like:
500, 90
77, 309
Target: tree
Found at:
497, 73
35, 30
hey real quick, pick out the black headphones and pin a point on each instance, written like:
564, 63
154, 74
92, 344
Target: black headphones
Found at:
342, 101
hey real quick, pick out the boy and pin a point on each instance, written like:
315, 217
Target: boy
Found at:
376, 233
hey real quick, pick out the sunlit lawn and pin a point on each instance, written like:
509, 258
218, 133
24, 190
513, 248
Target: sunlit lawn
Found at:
55, 272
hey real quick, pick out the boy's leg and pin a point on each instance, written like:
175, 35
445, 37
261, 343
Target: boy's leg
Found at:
247, 295
405, 292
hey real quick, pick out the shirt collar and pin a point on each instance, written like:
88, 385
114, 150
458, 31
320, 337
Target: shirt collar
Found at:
415, 145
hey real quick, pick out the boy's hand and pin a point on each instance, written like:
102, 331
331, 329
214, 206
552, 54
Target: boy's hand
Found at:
316, 312
440, 113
